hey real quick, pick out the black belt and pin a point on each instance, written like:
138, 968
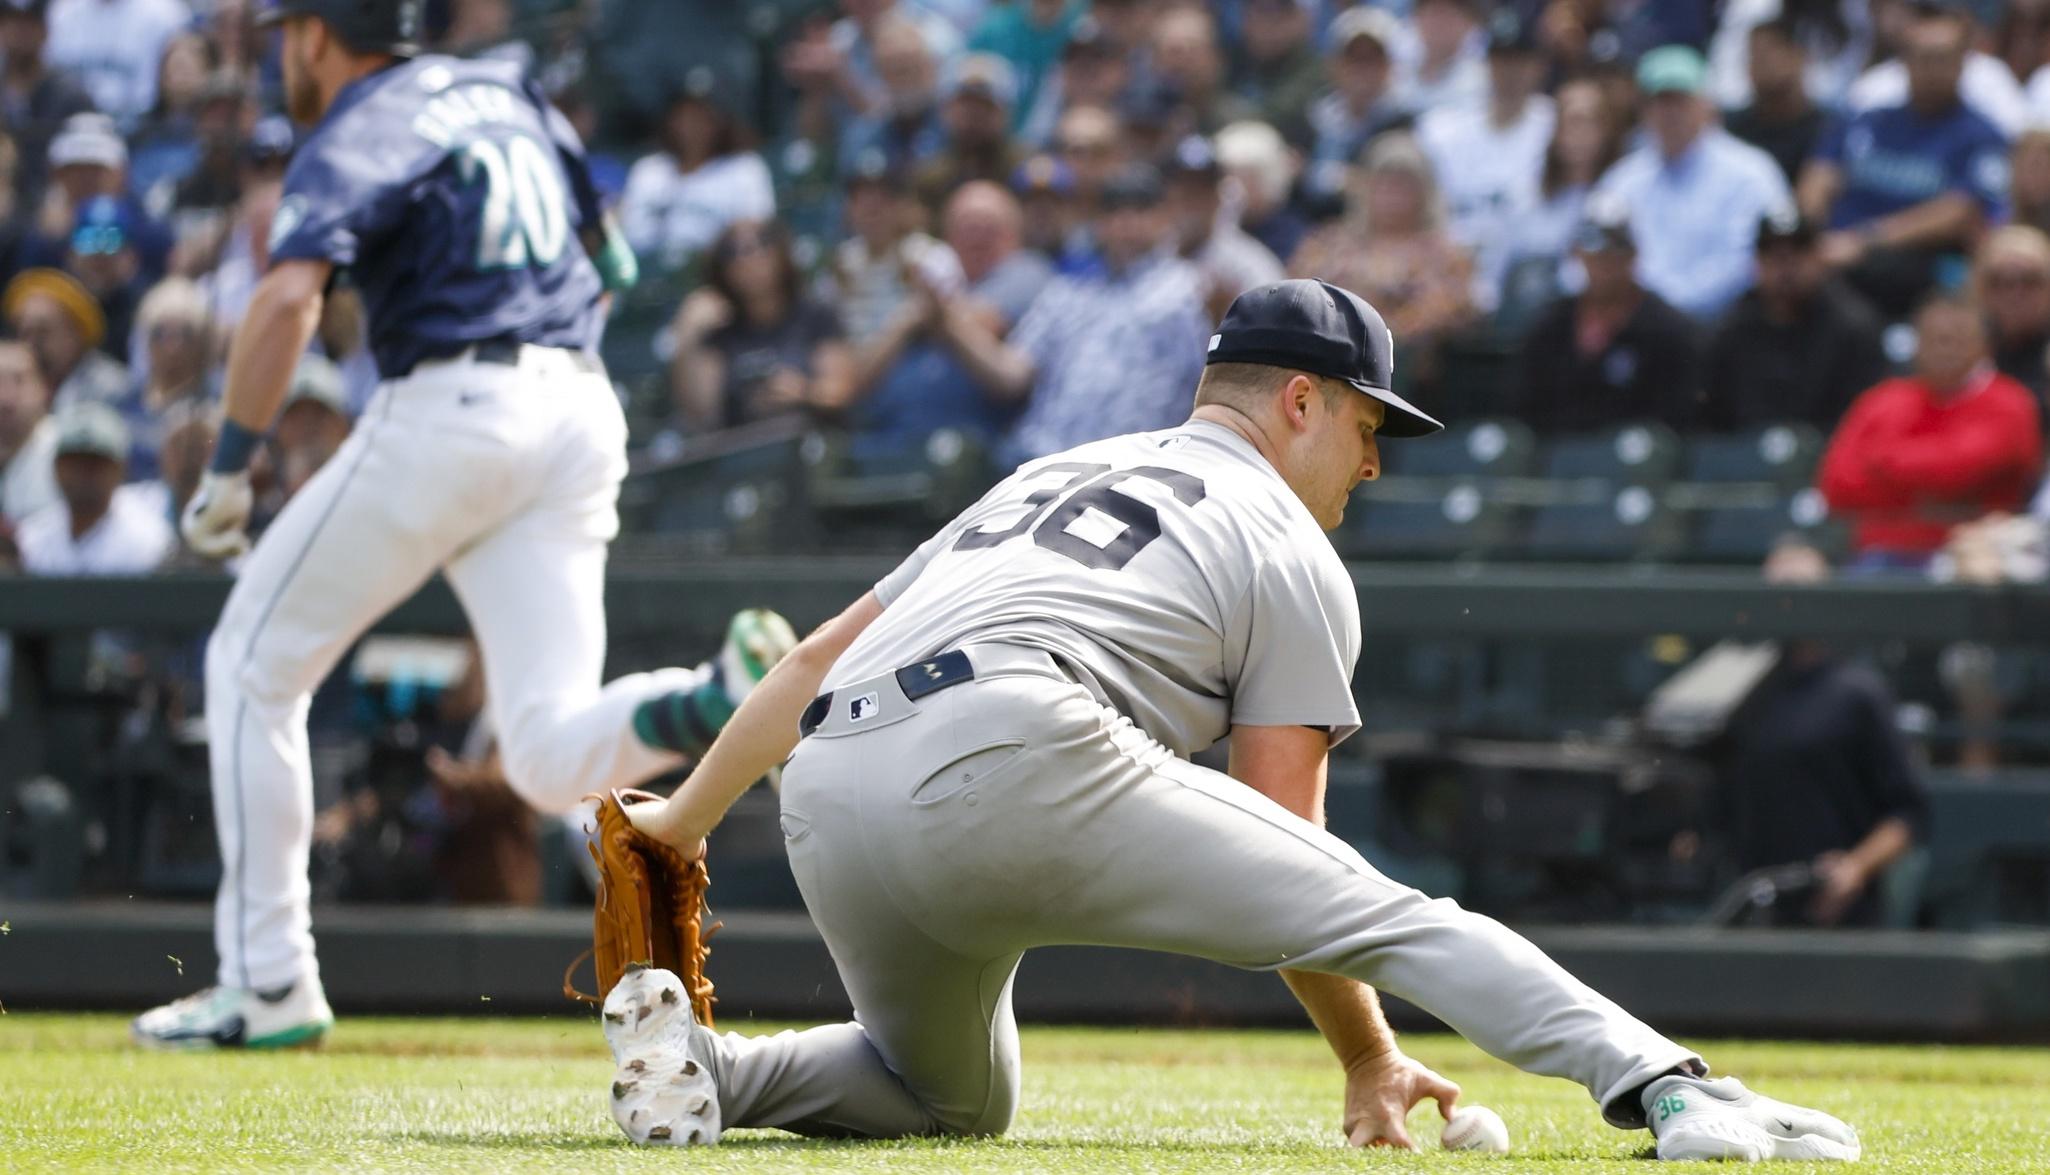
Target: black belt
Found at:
927, 677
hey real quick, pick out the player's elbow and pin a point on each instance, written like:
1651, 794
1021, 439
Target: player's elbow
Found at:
291, 291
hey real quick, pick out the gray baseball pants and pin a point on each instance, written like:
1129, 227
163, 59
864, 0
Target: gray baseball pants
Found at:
936, 841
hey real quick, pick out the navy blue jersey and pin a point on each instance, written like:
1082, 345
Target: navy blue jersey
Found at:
1894, 158
454, 195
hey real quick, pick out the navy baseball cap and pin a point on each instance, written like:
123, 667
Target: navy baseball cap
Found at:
1309, 325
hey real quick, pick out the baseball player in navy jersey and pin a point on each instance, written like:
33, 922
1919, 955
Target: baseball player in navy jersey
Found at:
460, 204
990, 754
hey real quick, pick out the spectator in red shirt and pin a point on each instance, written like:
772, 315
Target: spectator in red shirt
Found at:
1947, 444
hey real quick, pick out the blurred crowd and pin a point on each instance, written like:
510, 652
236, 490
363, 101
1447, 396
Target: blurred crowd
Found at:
1018, 220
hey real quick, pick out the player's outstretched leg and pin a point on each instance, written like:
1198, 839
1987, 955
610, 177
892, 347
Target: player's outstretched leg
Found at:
687, 720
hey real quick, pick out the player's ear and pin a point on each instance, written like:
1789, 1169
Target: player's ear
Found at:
1295, 401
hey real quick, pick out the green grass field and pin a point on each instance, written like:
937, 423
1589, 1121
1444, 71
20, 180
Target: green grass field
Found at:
486, 1094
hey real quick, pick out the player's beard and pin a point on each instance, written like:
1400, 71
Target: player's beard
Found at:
302, 93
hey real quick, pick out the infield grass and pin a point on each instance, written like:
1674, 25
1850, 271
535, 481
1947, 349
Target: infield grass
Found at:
529, 1095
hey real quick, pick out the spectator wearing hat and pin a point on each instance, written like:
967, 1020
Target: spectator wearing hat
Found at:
1094, 70
1045, 188
1832, 37
1798, 346
1441, 57
886, 259
1616, 353
61, 322
2011, 283
1361, 101
977, 118
1586, 141
1207, 234
34, 99
114, 47
311, 427
1695, 193
1030, 35
854, 47
1141, 318
1984, 83
1781, 119
927, 385
751, 343
1391, 247
1488, 158
104, 259
178, 349
1946, 444
89, 161
28, 436
704, 177
95, 529
1277, 69
1254, 157
1901, 186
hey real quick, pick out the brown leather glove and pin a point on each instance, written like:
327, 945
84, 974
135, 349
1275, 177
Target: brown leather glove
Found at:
650, 910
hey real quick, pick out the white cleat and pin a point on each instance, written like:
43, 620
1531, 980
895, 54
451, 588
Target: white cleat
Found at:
234, 1017
1693, 1118
661, 1094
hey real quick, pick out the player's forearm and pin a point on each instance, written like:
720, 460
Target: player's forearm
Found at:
282, 316
1347, 1013
763, 731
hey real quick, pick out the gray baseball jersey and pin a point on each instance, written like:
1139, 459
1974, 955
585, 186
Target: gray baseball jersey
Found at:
1174, 573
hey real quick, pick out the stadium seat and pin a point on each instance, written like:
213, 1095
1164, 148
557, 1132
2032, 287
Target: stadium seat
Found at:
737, 491
1405, 518
1605, 526
1779, 454
885, 499
1487, 448
1743, 532
1635, 454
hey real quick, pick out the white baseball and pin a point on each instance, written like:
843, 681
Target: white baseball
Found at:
1476, 1128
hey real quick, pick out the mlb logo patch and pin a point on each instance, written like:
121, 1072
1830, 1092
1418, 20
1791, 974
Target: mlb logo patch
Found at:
863, 708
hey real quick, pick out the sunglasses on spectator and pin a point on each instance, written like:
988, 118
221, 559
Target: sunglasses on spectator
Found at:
98, 241
172, 330
1087, 147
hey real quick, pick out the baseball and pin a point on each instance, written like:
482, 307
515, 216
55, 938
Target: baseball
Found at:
1476, 1128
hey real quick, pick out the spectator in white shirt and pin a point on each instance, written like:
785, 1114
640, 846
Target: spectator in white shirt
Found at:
1489, 158
704, 178
115, 47
96, 529
1439, 63
1987, 87
1695, 193
28, 437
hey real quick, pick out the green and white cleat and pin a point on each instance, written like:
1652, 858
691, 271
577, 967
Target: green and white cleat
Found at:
1693, 1118
756, 638
234, 1017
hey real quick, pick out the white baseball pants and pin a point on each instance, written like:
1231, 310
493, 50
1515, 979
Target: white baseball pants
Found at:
935, 841
507, 479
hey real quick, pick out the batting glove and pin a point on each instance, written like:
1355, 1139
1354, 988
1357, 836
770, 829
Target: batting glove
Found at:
216, 519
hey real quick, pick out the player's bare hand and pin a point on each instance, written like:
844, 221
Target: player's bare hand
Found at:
1380, 1093
668, 822
216, 519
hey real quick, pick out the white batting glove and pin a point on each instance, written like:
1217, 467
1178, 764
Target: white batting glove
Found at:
216, 518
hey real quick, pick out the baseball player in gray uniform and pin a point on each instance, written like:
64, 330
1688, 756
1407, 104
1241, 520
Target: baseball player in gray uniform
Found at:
990, 754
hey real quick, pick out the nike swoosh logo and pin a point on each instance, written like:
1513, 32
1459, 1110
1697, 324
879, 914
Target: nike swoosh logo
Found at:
1785, 1125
